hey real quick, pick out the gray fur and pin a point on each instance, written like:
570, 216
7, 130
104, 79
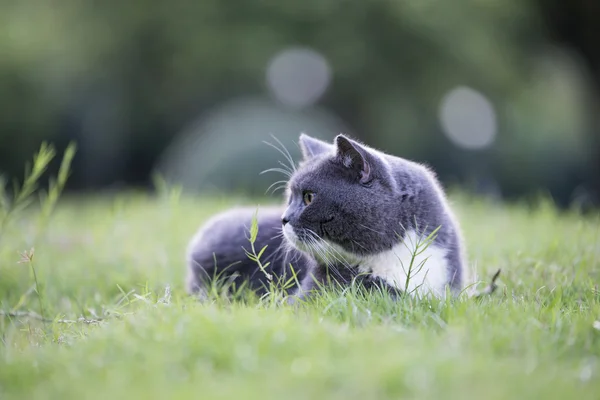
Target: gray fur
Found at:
218, 251
364, 201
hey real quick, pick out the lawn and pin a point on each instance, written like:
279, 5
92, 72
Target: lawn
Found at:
118, 262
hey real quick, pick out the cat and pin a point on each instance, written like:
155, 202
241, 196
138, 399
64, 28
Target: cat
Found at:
352, 214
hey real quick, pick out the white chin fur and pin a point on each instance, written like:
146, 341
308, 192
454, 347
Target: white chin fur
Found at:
290, 235
319, 250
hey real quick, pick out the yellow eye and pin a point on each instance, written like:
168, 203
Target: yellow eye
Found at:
308, 197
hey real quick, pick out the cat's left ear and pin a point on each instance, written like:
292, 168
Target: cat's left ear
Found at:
352, 155
312, 147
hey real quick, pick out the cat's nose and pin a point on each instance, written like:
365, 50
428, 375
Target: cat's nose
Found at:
284, 220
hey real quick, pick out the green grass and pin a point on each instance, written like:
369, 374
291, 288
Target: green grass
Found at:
114, 257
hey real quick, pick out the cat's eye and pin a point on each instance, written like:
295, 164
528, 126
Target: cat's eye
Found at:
308, 197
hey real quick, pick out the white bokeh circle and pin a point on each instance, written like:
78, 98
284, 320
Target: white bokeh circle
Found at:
298, 77
468, 118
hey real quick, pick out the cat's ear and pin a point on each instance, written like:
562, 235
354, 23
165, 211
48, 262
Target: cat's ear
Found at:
352, 155
312, 147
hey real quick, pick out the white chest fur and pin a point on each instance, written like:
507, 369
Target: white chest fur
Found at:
415, 266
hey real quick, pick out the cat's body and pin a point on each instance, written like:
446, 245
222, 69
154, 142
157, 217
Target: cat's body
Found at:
218, 250
352, 213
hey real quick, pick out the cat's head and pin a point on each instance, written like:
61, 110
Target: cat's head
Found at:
343, 198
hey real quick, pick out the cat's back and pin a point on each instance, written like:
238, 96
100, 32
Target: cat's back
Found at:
236, 222
219, 247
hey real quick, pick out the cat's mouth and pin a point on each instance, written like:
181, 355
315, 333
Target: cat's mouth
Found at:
302, 236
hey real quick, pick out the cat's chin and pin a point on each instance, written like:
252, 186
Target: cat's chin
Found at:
293, 239
325, 252
290, 234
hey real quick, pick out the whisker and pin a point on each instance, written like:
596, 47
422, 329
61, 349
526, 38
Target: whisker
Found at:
372, 230
283, 150
332, 265
280, 187
342, 260
279, 231
317, 247
285, 166
281, 251
291, 167
279, 235
277, 185
358, 244
280, 170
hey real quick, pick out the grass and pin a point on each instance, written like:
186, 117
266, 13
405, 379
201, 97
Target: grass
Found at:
110, 272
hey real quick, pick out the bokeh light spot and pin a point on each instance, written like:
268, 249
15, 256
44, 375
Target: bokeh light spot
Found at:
468, 118
298, 77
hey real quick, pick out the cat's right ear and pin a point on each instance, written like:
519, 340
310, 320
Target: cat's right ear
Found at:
312, 147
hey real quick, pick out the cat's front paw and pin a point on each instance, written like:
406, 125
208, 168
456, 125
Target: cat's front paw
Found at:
370, 283
298, 297
367, 280
292, 300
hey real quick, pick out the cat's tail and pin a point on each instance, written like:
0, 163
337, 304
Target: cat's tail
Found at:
487, 291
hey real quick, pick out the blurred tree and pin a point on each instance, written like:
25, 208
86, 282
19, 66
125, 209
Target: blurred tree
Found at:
125, 78
576, 24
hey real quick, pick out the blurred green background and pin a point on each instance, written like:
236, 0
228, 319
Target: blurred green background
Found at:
500, 96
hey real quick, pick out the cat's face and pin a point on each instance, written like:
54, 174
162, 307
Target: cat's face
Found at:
342, 197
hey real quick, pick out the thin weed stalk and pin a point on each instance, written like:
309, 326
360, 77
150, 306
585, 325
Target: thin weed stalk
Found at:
27, 258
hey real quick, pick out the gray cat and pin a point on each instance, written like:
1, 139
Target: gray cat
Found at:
354, 214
